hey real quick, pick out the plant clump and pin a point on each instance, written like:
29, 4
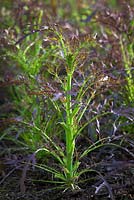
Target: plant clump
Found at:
69, 76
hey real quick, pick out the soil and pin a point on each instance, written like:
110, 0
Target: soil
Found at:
116, 181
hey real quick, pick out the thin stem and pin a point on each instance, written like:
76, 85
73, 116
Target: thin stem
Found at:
70, 144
